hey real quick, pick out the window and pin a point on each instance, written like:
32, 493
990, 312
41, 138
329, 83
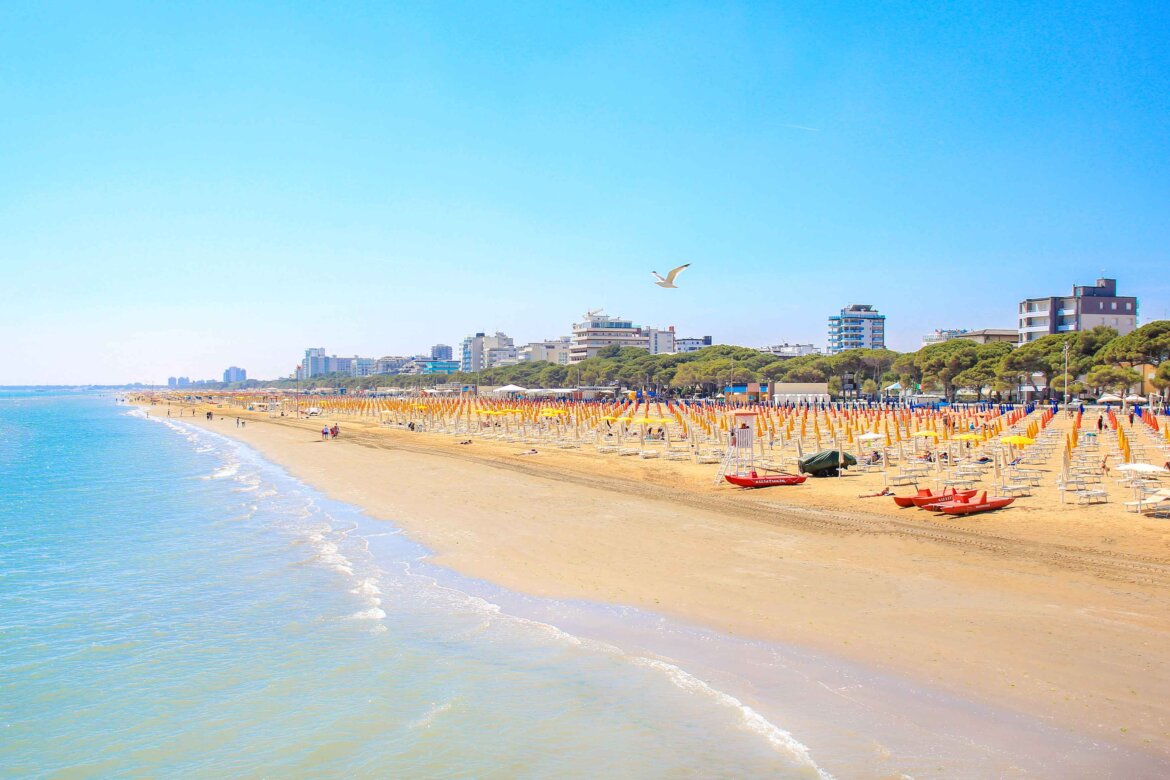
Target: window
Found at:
1115, 306
1129, 307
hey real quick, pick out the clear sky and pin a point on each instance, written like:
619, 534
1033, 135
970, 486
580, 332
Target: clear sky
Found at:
187, 186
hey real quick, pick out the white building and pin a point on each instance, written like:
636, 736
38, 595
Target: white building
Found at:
550, 351
942, 334
787, 350
857, 326
691, 344
481, 351
235, 374
596, 331
660, 342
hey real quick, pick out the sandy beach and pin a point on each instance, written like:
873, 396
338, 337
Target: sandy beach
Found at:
1056, 612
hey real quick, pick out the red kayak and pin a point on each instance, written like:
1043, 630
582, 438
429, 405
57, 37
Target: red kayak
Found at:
754, 480
969, 507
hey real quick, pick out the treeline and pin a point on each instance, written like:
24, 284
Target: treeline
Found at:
1099, 361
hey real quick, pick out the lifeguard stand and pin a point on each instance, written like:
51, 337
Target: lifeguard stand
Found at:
741, 440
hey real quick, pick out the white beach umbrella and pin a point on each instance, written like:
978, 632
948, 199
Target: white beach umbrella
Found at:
1109, 398
1141, 468
1135, 399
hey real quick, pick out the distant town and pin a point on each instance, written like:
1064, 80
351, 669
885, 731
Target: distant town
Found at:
855, 326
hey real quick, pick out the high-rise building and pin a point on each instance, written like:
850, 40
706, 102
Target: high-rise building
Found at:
858, 326
691, 344
441, 352
1085, 309
596, 331
481, 351
235, 374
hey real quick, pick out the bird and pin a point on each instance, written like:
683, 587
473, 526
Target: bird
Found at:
668, 280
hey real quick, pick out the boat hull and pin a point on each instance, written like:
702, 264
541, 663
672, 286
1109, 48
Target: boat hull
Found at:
769, 480
971, 508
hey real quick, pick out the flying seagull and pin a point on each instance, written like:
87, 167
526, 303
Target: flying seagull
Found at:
668, 280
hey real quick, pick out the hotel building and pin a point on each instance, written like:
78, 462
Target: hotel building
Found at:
858, 326
1085, 309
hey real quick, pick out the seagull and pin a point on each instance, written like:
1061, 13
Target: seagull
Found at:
668, 280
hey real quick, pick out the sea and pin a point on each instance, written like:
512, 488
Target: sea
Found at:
174, 605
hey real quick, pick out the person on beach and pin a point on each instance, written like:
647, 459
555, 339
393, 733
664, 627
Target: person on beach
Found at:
1105, 465
1100, 423
237, 422
335, 431
324, 434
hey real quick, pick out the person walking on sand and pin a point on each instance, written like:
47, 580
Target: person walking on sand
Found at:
324, 434
1100, 423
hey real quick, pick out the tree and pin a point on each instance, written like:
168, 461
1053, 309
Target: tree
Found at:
1114, 379
1149, 344
939, 364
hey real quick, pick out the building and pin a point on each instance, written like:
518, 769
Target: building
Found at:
178, 381
317, 363
858, 326
482, 351
787, 350
941, 335
549, 351
390, 364
440, 366
658, 341
234, 374
314, 364
1085, 309
596, 331
691, 344
441, 352
989, 335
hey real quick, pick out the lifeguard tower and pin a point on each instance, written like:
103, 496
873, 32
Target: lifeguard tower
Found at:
739, 466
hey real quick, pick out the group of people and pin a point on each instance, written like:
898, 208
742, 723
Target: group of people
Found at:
330, 433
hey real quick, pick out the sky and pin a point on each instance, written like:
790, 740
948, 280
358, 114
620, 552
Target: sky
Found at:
185, 187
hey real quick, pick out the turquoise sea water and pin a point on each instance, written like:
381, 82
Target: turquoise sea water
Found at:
173, 605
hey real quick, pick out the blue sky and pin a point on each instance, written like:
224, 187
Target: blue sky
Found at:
189, 186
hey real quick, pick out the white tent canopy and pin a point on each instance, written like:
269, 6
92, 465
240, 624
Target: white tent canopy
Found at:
509, 389
1109, 398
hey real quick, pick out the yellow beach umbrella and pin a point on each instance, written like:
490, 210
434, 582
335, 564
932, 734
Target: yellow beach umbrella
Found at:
931, 434
1017, 440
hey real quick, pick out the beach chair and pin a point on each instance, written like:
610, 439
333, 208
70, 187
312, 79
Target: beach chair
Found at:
1157, 499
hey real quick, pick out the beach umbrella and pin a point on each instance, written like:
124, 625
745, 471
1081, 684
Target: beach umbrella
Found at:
1141, 468
1135, 399
930, 434
1109, 398
870, 437
1017, 440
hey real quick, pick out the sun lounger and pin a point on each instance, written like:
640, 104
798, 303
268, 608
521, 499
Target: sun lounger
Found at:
1159, 498
1091, 496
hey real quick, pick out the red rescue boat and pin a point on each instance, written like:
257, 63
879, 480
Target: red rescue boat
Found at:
942, 498
907, 501
969, 507
754, 480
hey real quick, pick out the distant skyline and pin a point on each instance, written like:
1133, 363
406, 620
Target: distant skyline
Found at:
184, 189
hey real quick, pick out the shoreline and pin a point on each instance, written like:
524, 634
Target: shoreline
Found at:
966, 612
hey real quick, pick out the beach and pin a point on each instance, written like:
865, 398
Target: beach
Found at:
1057, 613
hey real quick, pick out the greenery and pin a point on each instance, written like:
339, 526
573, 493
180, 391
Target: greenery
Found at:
1098, 361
